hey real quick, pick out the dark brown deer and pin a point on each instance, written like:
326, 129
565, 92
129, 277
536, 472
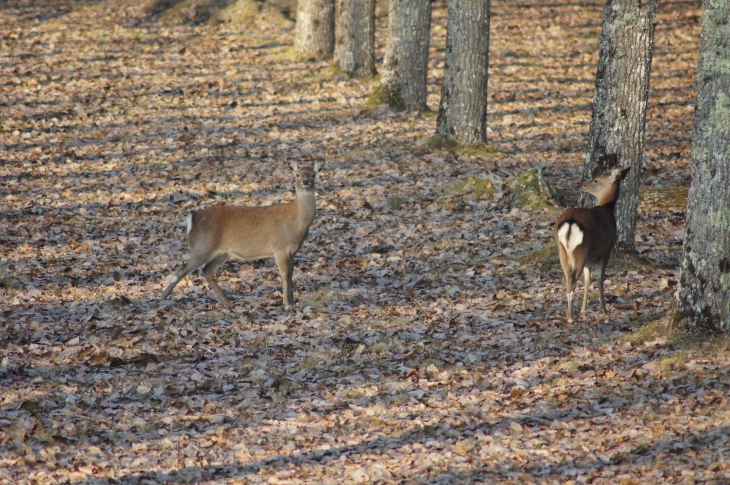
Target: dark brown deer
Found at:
585, 237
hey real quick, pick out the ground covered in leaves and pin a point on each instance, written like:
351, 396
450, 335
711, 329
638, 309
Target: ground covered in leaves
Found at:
428, 344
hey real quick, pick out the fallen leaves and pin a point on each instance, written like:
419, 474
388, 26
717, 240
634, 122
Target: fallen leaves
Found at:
428, 343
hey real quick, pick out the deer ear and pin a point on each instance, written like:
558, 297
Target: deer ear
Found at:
294, 166
318, 166
617, 173
625, 172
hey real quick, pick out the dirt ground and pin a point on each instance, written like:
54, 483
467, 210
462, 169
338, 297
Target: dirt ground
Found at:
428, 344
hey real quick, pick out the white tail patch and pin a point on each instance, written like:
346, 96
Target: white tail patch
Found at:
570, 236
189, 222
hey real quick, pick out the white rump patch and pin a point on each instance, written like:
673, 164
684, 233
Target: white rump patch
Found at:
174, 279
189, 222
570, 236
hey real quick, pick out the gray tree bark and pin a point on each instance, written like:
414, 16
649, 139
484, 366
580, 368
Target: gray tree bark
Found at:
355, 37
462, 117
703, 295
405, 67
315, 28
620, 102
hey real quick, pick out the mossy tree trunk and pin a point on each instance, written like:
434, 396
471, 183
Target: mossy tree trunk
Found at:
620, 102
315, 29
355, 37
462, 117
405, 68
704, 279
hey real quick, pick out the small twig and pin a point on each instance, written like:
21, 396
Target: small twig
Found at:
542, 182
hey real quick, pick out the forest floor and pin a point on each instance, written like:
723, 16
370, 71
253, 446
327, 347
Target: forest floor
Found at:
429, 342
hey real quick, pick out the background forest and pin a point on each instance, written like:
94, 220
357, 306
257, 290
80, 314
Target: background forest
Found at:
428, 344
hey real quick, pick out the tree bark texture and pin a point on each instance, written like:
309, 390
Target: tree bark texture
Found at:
315, 28
620, 103
704, 279
355, 37
462, 117
405, 68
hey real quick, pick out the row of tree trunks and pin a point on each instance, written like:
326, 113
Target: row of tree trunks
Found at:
617, 124
405, 67
620, 103
704, 282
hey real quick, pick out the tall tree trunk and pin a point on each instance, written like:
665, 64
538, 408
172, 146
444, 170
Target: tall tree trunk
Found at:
355, 37
619, 105
462, 117
405, 67
315, 30
704, 279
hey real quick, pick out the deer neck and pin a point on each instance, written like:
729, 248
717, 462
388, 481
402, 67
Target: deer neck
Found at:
305, 207
609, 198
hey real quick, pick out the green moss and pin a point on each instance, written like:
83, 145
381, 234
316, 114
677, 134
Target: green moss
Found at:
277, 17
328, 74
289, 55
397, 202
448, 242
308, 364
238, 13
354, 393
545, 258
10, 284
720, 114
440, 142
568, 366
473, 188
532, 190
674, 318
721, 218
375, 100
670, 364
632, 261
482, 151
193, 11
652, 327
317, 299
669, 329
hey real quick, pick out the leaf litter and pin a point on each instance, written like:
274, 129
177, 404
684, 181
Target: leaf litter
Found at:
428, 344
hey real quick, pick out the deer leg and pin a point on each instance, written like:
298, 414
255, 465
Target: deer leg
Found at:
601, 276
286, 267
196, 260
209, 273
565, 264
291, 284
586, 288
570, 280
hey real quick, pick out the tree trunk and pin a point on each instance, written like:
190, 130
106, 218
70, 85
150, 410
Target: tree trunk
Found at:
619, 105
315, 30
704, 279
355, 37
462, 117
405, 67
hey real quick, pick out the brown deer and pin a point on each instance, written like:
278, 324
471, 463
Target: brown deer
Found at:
585, 237
248, 233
